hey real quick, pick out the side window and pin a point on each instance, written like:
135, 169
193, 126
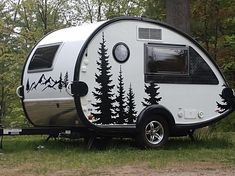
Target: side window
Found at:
176, 64
166, 63
200, 71
121, 52
43, 58
166, 60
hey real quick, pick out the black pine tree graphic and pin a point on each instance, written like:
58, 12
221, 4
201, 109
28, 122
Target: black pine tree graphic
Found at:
27, 86
103, 94
66, 79
222, 107
60, 83
131, 112
152, 91
228, 100
120, 99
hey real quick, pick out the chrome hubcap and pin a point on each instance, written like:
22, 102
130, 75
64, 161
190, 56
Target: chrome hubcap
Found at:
154, 132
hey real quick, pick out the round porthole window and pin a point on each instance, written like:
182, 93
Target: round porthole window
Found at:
121, 52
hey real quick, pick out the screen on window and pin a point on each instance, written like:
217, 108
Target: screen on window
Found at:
166, 59
43, 57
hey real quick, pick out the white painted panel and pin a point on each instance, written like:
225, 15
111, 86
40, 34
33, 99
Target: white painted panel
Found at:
190, 98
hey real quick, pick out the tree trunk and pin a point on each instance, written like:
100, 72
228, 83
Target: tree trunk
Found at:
2, 103
45, 18
99, 16
178, 14
16, 10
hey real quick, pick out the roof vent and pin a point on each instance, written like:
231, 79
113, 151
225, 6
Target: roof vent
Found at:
150, 33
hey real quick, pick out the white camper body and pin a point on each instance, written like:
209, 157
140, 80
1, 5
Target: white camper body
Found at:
126, 74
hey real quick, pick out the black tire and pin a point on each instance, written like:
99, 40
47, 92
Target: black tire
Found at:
154, 132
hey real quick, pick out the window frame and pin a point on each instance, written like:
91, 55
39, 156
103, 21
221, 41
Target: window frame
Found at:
59, 44
128, 52
190, 78
165, 73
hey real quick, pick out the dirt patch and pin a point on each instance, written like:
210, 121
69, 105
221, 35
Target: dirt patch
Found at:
17, 170
189, 169
198, 169
192, 169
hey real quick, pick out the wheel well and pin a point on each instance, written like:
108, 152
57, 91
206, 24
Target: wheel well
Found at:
156, 110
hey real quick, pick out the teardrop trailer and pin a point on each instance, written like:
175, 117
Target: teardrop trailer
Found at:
127, 76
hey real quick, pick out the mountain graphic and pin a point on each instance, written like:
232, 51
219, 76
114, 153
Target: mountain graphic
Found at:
41, 79
49, 86
47, 83
31, 87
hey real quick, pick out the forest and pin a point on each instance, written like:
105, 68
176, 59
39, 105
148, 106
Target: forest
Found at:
24, 22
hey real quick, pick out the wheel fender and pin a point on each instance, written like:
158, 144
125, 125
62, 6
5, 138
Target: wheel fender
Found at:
158, 110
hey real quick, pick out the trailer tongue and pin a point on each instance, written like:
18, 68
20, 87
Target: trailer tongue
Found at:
64, 132
50, 131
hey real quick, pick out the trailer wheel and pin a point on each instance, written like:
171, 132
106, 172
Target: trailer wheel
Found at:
154, 132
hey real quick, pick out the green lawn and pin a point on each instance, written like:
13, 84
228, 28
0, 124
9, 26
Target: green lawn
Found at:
21, 152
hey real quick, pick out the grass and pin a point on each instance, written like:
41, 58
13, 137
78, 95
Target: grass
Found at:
22, 152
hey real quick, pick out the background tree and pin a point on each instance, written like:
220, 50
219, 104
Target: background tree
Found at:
88, 10
212, 24
103, 94
154, 9
21, 26
116, 8
178, 13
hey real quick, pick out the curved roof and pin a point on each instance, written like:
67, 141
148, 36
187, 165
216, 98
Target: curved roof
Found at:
143, 19
86, 32
78, 33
